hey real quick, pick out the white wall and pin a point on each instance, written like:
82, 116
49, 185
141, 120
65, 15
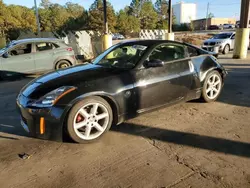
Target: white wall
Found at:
177, 12
184, 12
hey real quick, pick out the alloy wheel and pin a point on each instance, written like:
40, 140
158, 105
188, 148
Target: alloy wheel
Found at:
91, 121
213, 86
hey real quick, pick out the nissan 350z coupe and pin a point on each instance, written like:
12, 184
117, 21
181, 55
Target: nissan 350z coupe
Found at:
126, 80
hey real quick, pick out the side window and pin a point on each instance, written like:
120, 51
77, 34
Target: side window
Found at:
43, 46
192, 51
168, 52
21, 49
233, 37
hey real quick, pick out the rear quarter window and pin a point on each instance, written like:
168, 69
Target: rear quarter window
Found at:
192, 52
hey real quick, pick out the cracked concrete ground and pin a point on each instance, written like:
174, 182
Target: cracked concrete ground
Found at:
187, 145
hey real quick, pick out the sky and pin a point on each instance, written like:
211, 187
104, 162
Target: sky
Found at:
220, 8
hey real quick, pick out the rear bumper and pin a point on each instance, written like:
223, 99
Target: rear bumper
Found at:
30, 120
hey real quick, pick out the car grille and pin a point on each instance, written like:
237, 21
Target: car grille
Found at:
209, 43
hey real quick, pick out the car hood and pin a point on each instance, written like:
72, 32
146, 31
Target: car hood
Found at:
215, 40
67, 77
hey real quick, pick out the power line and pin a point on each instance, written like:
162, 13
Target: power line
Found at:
225, 4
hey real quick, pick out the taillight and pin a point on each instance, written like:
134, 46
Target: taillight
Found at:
70, 49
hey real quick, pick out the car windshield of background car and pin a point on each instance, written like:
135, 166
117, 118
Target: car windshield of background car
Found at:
222, 36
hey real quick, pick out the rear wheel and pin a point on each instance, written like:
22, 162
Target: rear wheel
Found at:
62, 64
226, 49
89, 120
212, 87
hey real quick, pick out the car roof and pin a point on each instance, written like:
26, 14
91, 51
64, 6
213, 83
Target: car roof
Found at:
148, 42
36, 40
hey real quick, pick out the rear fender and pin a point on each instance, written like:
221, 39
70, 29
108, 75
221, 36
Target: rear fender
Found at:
203, 65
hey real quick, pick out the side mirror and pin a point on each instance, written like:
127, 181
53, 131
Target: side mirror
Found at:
6, 55
153, 63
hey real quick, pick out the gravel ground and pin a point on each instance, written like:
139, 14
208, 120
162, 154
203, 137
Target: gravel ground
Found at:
187, 145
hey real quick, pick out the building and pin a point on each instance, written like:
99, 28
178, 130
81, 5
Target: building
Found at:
184, 12
200, 24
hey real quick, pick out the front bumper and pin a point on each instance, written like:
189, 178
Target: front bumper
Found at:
215, 49
31, 120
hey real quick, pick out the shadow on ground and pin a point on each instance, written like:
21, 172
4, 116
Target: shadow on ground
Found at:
186, 139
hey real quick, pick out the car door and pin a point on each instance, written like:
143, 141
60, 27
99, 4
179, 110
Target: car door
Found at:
157, 86
20, 59
44, 56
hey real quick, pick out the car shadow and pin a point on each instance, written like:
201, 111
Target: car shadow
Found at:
186, 139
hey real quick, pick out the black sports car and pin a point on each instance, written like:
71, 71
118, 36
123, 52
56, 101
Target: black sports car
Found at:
126, 80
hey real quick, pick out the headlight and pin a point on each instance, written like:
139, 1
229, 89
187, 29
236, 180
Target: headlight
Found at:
218, 42
52, 97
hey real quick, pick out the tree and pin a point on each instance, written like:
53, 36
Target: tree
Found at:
210, 15
148, 16
96, 18
161, 7
127, 24
45, 4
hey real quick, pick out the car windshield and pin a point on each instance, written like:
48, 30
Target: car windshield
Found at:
123, 56
2, 50
222, 36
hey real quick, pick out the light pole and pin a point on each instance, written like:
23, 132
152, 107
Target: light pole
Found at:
170, 15
107, 38
37, 20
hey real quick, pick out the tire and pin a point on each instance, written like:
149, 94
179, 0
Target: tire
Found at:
62, 64
212, 87
83, 123
226, 49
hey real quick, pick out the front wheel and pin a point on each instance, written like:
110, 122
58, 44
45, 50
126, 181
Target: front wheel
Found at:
212, 87
226, 49
89, 120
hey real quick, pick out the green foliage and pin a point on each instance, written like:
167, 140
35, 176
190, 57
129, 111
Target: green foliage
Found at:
96, 18
210, 15
140, 14
148, 16
127, 24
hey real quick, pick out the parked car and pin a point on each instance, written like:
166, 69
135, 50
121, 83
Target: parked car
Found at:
228, 26
35, 55
124, 81
214, 27
118, 36
222, 42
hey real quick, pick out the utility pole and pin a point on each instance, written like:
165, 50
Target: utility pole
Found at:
170, 15
242, 33
107, 38
37, 20
207, 16
106, 30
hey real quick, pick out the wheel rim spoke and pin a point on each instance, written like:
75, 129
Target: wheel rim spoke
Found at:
94, 109
84, 113
213, 79
87, 131
98, 127
102, 116
80, 125
216, 83
208, 90
216, 90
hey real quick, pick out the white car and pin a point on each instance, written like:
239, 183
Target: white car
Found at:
228, 26
222, 42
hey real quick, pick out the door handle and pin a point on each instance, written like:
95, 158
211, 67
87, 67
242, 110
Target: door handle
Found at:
28, 57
